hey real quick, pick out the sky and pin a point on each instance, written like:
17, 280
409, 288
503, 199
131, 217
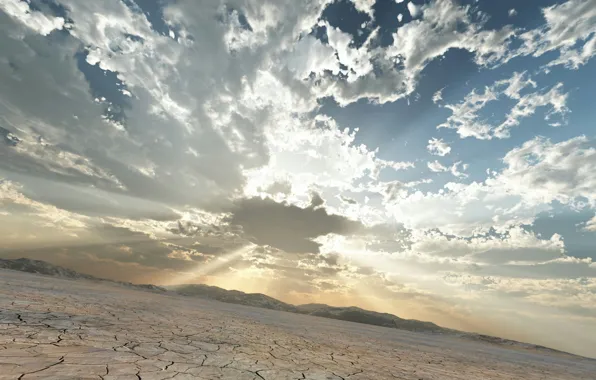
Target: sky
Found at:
432, 159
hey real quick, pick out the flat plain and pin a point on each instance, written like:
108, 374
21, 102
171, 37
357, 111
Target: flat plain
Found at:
54, 328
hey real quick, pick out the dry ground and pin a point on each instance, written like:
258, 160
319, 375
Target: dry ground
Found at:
62, 329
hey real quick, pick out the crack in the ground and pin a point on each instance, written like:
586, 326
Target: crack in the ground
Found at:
60, 361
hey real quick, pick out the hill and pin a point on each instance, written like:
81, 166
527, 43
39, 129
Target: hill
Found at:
233, 296
42, 267
45, 268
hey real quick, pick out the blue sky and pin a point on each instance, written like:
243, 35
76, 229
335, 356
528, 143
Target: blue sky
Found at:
434, 159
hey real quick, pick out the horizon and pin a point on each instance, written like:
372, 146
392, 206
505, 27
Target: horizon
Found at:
432, 159
173, 286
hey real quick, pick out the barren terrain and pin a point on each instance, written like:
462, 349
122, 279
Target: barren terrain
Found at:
64, 329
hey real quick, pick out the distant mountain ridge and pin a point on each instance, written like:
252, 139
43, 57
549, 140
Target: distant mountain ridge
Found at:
45, 268
352, 313
233, 296
42, 267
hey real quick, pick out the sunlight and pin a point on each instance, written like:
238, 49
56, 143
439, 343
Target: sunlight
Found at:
204, 269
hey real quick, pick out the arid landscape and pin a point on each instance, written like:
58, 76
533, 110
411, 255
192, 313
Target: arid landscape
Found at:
53, 328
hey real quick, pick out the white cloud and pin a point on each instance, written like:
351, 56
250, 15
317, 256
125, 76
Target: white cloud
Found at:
433, 243
527, 105
438, 147
34, 20
311, 56
364, 6
320, 155
358, 60
535, 174
436, 166
512, 12
400, 17
570, 28
468, 122
541, 171
414, 9
591, 224
438, 96
454, 169
445, 25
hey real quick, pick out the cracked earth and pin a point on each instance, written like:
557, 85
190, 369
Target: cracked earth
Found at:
61, 329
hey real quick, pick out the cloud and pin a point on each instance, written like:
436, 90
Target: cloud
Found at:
414, 9
37, 22
327, 157
528, 104
288, 227
436, 166
44, 215
365, 6
438, 147
438, 96
311, 56
445, 25
468, 122
569, 28
512, 244
454, 169
541, 171
536, 174
591, 224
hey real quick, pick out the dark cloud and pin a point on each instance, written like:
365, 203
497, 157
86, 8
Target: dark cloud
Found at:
316, 200
288, 227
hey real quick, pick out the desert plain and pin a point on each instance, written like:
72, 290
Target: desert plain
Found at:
53, 328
